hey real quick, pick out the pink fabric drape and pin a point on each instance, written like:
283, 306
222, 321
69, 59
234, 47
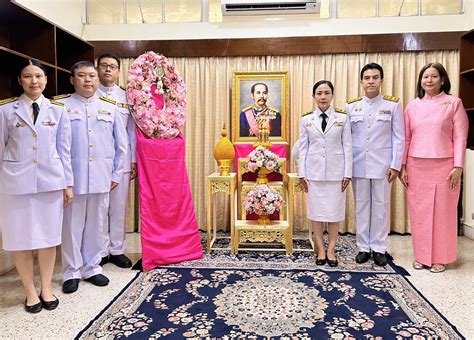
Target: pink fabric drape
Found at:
169, 231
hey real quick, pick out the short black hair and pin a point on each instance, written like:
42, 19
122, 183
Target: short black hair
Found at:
33, 62
108, 55
79, 64
252, 90
321, 82
371, 66
446, 87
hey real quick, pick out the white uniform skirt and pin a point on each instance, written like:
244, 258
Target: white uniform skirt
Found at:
31, 221
325, 201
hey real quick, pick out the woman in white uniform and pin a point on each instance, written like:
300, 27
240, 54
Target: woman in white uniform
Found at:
325, 164
35, 181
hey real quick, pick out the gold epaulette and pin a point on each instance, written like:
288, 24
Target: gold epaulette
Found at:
54, 102
8, 100
340, 110
391, 98
353, 100
246, 108
62, 96
123, 105
108, 100
306, 113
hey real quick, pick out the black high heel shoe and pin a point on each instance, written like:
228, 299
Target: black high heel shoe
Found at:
36, 308
321, 262
49, 305
333, 263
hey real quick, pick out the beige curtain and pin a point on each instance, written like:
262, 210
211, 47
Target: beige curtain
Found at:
209, 82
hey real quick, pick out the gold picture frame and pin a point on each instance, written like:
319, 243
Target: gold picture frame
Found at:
277, 84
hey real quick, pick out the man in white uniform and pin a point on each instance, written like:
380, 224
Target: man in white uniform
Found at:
378, 140
97, 155
113, 247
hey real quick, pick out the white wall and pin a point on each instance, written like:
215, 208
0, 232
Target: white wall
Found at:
268, 29
65, 13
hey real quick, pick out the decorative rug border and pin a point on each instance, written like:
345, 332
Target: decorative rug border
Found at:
114, 299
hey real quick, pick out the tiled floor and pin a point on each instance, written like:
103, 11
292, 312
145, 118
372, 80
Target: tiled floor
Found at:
451, 292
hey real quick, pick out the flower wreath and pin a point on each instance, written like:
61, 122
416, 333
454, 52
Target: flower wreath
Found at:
156, 96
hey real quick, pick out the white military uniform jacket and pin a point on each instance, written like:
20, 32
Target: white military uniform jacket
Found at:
378, 135
118, 94
325, 156
34, 158
99, 143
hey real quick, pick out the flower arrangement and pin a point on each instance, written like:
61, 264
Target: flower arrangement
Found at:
263, 200
260, 158
156, 96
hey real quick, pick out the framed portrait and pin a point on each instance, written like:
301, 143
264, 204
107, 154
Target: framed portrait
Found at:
255, 93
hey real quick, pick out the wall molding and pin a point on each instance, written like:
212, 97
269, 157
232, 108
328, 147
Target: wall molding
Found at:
371, 43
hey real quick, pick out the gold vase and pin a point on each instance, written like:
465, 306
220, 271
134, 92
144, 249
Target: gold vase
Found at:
262, 176
263, 219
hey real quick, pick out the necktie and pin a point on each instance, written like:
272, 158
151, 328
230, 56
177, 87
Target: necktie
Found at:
35, 111
324, 123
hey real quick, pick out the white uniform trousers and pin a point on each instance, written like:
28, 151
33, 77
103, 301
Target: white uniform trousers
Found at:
82, 235
114, 224
372, 203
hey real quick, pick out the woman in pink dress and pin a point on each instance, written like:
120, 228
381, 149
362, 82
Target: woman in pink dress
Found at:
436, 127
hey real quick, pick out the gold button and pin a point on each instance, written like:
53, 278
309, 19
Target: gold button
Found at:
368, 138
88, 116
90, 130
35, 161
34, 134
90, 145
368, 126
34, 147
366, 150
370, 114
90, 159
324, 156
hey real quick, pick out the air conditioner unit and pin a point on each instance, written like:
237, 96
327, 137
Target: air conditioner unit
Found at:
264, 7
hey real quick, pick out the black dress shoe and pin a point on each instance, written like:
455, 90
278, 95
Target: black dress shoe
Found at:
70, 286
362, 257
333, 263
321, 262
380, 259
49, 305
120, 261
104, 260
98, 280
36, 308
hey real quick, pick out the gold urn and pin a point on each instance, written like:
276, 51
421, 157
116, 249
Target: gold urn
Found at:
224, 153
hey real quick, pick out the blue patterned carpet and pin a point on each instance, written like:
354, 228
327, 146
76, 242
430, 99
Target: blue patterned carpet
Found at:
266, 295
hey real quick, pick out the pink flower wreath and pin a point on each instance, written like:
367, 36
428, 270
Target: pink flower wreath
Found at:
156, 96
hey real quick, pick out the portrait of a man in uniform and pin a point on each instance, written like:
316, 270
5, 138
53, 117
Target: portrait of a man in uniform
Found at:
260, 99
250, 115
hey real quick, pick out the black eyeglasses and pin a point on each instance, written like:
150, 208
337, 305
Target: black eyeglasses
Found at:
104, 66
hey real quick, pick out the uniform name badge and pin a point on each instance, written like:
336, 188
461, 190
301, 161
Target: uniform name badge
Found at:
338, 123
386, 112
104, 112
48, 122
